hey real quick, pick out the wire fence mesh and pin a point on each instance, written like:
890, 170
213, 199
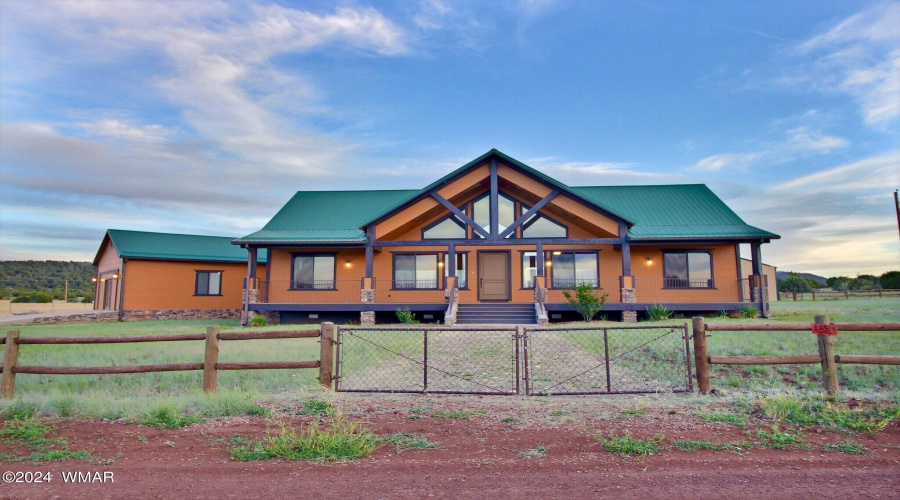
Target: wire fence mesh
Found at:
434, 360
592, 360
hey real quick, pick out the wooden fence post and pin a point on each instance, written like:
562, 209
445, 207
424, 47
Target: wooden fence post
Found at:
10, 360
829, 366
326, 355
210, 375
701, 355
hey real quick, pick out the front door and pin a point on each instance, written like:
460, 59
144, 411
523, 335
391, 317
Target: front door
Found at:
493, 279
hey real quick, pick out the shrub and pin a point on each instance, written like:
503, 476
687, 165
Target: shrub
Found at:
584, 299
658, 312
259, 320
748, 312
21, 299
407, 317
890, 280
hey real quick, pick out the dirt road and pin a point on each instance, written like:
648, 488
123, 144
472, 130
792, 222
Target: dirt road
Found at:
481, 455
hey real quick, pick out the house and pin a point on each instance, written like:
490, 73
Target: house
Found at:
769, 273
496, 240
161, 275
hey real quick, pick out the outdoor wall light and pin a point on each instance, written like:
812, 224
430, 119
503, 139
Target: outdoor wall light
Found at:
549, 263
93, 280
440, 264
557, 253
347, 264
649, 261
116, 276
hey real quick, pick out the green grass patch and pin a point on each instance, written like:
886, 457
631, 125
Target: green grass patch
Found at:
537, 452
822, 413
778, 439
846, 446
510, 420
627, 445
316, 407
462, 415
724, 416
28, 437
167, 417
341, 440
736, 447
403, 441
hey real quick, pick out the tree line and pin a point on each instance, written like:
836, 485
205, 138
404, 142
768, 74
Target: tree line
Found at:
45, 280
887, 281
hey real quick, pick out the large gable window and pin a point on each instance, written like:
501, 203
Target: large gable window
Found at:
208, 283
506, 212
413, 271
687, 269
541, 226
447, 228
313, 272
571, 269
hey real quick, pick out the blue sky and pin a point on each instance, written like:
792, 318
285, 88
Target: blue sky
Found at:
204, 117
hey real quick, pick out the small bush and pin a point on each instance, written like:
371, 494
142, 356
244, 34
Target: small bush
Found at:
405, 316
316, 407
778, 439
658, 312
406, 441
627, 445
847, 446
167, 417
748, 312
586, 300
259, 320
343, 440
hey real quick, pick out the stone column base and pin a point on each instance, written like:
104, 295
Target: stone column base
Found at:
367, 318
367, 296
755, 294
629, 316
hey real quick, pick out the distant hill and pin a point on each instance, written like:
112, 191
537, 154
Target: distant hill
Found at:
21, 277
784, 274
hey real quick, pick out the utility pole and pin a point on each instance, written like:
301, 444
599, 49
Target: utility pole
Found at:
897, 208
66, 293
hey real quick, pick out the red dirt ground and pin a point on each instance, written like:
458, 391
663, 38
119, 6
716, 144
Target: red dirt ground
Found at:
478, 456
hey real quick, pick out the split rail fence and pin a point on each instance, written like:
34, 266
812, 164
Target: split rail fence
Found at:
826, 357
210, 365
837, 294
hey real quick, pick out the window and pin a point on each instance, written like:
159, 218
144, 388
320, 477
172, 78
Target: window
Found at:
416, 271
529, 269
447, 228
574, 268
688, 269
541, 226
208, 283
313, 272
506, 213
461, 268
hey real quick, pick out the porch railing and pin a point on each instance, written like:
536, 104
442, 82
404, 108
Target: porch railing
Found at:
317, 292
610, 286
409, 292
676, 290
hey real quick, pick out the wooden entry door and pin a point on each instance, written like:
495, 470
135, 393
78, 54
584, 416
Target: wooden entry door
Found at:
493, 279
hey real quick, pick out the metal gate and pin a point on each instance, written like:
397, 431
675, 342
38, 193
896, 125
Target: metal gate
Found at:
616, 360
428, 360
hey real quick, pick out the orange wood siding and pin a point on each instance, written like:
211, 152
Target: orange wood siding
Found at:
108, 264
649, 278
154, 285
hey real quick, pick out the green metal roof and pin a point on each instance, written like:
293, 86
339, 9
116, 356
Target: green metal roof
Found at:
167, 246
673, 211
652, 212
326, 216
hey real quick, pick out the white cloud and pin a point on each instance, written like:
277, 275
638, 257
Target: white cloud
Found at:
117, 129
599, 173
879, 172
803, 138
726, 161
859, 56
